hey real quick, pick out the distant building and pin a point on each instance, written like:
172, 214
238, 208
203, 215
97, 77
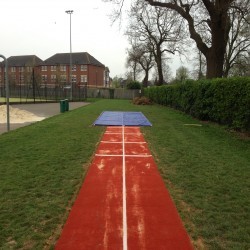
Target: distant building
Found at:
55, 71
20, 69
86, 70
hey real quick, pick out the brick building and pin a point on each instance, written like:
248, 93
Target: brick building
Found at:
86, 70
55, 71
20, 69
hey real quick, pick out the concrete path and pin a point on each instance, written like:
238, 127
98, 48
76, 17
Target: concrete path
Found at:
40, 109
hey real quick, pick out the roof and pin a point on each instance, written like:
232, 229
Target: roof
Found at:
82, 58
21, 61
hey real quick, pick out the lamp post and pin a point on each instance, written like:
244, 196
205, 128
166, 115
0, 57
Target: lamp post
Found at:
70, 56
7, 92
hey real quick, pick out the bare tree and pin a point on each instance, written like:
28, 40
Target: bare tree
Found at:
241, 66
167, 73
141, 54
217, 23
147, 64
199, 69
160, 29
238, 45
132, 63
205, 16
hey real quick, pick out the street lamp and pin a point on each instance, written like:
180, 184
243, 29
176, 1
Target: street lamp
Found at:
70, 55
7, 92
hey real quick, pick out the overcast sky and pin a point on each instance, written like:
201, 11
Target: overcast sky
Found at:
41, 27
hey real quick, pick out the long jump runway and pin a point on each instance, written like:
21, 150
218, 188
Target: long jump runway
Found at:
123, 203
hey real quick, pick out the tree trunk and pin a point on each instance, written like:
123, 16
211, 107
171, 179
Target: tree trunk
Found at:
145, 80
158, 60
134, 72
216, 53
215, 59
160, 74
226, 69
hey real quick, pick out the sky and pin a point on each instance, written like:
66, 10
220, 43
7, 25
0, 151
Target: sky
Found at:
42, 28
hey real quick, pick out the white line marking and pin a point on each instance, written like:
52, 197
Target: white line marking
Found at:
123, 155
125, 237
132, 142
117, 133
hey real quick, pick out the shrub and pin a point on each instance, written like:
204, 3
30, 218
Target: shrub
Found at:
226, 101
142, 101
133, 85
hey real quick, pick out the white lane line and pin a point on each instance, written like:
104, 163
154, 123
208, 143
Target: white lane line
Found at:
132, 142
125, 236
102, 155
117, 133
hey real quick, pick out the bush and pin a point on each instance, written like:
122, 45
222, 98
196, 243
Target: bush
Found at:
142, 101
133, 85
226, 101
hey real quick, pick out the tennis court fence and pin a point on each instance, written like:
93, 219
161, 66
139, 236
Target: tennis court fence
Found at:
28, 93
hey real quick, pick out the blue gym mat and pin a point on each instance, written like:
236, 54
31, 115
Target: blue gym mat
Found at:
117, 118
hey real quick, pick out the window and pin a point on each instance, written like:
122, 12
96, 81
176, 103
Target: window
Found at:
53, 78
0, 79
13, 77
73, 78
13, 69
84, 78
21, 69
62, 68
84, 68
29, 69
63, 78
44, 78
21, 79
53, 68
73, 67
44, 68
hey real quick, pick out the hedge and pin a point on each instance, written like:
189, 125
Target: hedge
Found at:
222, 100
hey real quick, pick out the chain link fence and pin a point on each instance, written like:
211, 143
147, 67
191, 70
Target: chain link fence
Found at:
33, 94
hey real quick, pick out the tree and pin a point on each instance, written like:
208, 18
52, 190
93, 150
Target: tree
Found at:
132, 63
133, 85
217, 22
182, 74
239, 38
146, 62
241, 66
167, 73
141, 54
161, 31
116, 82
199, 69
208, 23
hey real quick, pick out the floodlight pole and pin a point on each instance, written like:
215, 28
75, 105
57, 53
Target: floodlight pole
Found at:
70, 55
7, 92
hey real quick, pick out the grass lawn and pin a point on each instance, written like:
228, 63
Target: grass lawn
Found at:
42, 167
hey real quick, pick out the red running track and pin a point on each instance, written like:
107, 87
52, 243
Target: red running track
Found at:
123, 203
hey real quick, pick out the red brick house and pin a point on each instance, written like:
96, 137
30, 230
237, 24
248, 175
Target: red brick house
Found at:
55, 71
86, 70
20, 69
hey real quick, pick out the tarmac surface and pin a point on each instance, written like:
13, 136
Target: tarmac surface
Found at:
39, 109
